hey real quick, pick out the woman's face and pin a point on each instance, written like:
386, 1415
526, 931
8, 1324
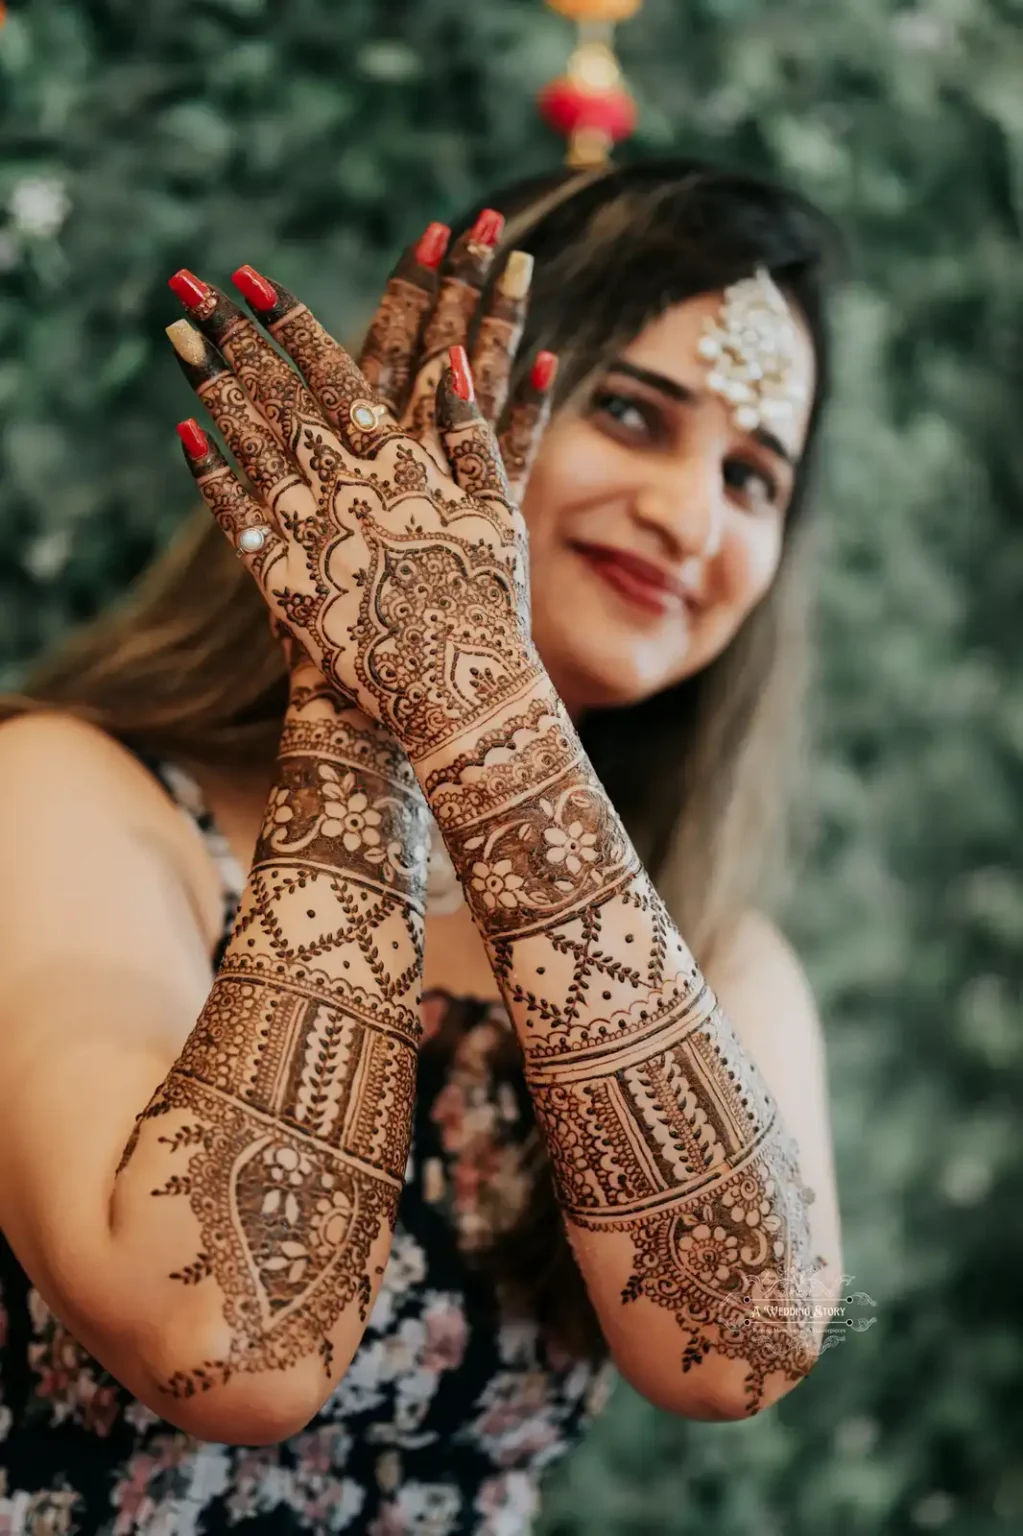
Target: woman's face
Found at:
655, 523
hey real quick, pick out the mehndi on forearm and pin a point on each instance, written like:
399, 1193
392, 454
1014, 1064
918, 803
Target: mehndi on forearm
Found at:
659, 1127
285, 1124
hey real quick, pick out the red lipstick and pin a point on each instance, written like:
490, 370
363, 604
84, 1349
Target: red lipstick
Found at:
640, 581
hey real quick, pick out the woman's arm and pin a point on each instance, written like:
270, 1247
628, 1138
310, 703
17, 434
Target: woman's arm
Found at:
225, 1270
408, 585
681, 1188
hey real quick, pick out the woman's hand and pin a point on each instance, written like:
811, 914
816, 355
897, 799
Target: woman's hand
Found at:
406, 585
431, 304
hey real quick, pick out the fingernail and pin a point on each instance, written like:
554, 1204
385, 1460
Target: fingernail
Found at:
461, 373
193, 437
545, 371
190, 345
432, 245
487, 228
517, 275
255, 288
192, 293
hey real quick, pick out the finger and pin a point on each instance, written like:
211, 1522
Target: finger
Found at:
270, 467
346, 398
280, 396
525, 423
500, 331
468, 441
237, 512
461, 286
389, 352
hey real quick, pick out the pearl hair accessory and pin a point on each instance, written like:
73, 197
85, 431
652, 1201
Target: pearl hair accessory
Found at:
752, 352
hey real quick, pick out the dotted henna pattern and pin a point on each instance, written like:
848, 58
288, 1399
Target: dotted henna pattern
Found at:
658, 1124
291, 1102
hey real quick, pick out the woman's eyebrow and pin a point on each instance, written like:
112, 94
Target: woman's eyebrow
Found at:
685, 396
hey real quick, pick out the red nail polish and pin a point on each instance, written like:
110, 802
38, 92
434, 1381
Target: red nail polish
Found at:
260, 293
545, 371
192, 293
432, 245
461, 374
193, 437
488, 228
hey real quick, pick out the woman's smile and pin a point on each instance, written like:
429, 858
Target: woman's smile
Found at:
650, 588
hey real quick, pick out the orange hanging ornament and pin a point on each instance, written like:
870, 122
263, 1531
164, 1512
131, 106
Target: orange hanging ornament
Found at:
589, 104
610, 11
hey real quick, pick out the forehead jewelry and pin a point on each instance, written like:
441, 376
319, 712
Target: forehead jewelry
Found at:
365, 415
751, 347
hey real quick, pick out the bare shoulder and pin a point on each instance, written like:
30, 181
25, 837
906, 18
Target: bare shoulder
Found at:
763, 986
51, 756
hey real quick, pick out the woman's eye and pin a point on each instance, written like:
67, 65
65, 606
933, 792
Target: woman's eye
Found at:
627, 414
754, 484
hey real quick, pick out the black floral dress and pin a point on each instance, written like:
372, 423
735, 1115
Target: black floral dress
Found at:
443, 1423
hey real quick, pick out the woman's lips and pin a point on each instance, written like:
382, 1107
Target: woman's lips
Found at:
636, 579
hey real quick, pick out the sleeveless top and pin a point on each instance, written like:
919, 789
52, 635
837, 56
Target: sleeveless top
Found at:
446, 1418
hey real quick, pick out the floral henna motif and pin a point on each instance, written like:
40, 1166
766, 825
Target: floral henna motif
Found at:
659, 1126
543, 857
292, 1099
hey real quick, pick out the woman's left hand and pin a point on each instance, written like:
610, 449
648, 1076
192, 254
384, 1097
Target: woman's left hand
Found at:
406, 585
437, 299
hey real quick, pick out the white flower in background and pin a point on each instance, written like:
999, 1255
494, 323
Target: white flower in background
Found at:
39, 205
922, 32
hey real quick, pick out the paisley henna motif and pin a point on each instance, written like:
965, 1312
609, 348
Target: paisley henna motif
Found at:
407, 587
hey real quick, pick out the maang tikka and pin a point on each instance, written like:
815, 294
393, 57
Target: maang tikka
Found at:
752, 349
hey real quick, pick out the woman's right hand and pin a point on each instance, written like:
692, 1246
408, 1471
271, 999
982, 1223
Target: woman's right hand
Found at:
404, 578
433, 302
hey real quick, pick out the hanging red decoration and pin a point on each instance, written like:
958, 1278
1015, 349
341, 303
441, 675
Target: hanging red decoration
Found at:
596, 10
589, 104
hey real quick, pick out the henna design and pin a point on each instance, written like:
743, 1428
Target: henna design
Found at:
334, 379
389, 349
234, 509
438, 637
469, 444
659, 1126
408, 590
499, 335
460, 288
449, 325
294, 1092
524, 425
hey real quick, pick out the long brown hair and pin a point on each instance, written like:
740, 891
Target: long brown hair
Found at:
185, 665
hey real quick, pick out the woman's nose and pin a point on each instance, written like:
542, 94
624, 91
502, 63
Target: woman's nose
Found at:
686, 509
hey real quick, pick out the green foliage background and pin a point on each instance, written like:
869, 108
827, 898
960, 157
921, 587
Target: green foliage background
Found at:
313, 138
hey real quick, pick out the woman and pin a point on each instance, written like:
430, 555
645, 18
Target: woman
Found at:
213, 1076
